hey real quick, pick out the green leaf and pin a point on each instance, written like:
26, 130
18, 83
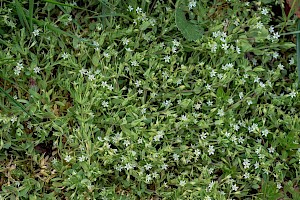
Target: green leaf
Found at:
190, 31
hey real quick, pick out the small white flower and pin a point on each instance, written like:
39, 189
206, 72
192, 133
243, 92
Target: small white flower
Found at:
176, 43
211, 150
221, 112
230, 101
184, 117
271, 150
134, 63
271, 29
81, 158
182, 183
125, 41
280, 66
36, 32
148, 166
83, 71
256, 165
275, 55
164, 167
105, 104
130, 8
264, 11
167, 59
234, 187
13, 119
65, 55
68, 158
225, 46
209, 103
137, 83
197, 106
176, 157
246, 163
241, 95
293, 94
148, 178
91, 77
259, 25
192, 4
291, 61
246, 175
279, 186
265, 132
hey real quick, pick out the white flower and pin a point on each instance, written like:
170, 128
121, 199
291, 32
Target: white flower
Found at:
105, 104
209, 103
259, 25
125, 41
68, 158
221, 112
234, 187
139, 10
13, 119
134, 63
130, 8
264, 11
271, 150
192, 4
91, 77
167, 103
291, 61
65, 55
230, 101
167, 59
137, 83
238, 50
176, 157
83, 71
148, 178
279, 186
241, 95
246, 163
197, 106
265, 132
17, 72
36, 70
211, 150
236, 23
213, 73
225, 46
148, 166
249, 102
183, 117
256, 165
36, 32
182, 183
164, 166
126, 143
197, 152
81, 158
271, 29
275, 55
203, 135
246, 175
293, 94
176, 43
280, 66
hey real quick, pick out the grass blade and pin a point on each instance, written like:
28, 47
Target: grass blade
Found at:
68, 5
298, 50
17, 103
21, 15
31, 5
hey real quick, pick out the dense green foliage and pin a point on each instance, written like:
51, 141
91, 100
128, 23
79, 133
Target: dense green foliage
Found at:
148, 100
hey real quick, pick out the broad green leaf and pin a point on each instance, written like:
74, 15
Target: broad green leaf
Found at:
190, 31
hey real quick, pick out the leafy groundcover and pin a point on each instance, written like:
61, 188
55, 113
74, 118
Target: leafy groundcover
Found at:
115, 99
